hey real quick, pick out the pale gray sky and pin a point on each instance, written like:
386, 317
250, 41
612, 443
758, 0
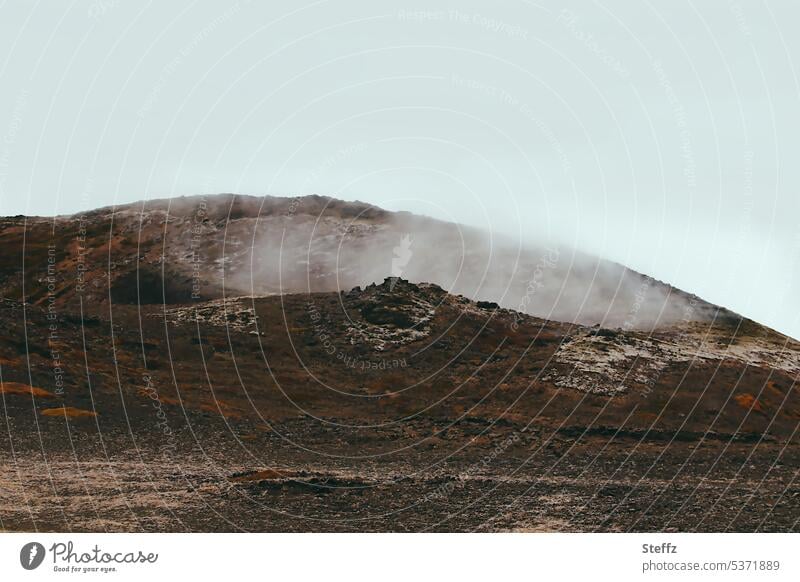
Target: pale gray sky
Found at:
663, 135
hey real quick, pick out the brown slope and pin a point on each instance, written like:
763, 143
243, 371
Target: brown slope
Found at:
399, 352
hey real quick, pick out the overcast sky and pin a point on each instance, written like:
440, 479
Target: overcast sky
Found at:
661, 135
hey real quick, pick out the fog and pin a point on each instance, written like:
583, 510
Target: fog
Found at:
316, 244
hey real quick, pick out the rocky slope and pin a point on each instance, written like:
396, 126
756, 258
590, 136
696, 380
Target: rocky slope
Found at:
397, 405
399, 349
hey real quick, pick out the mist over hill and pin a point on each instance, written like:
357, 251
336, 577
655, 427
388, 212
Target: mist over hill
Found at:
310, 364
206, 247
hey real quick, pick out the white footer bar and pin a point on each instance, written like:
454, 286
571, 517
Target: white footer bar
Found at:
406, 557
